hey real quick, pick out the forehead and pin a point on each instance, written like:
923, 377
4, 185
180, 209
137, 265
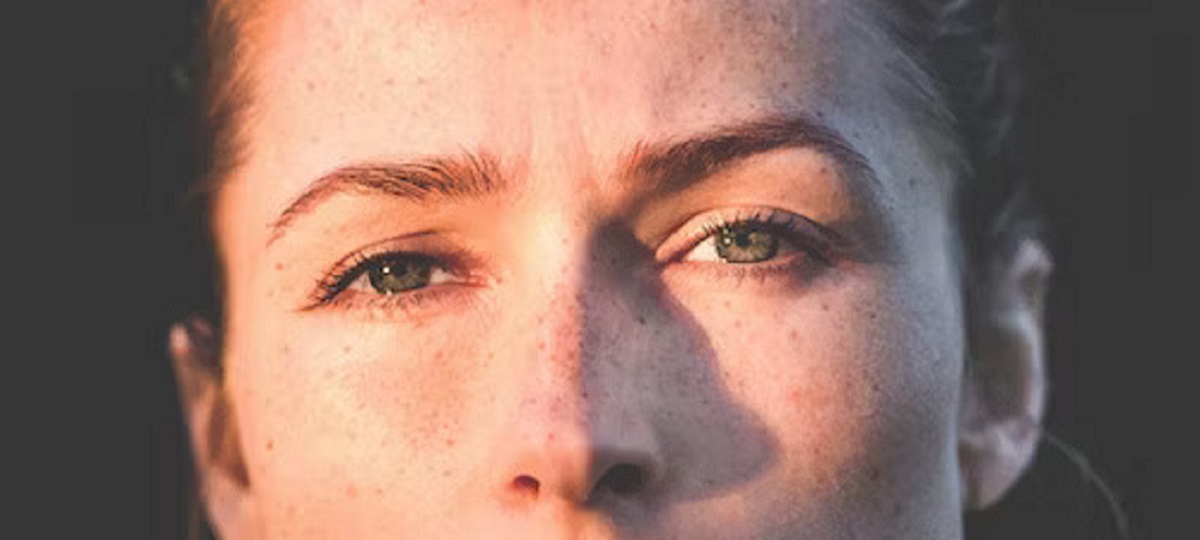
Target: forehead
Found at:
559, 86
477, 70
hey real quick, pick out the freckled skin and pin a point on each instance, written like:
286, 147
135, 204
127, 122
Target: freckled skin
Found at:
760, 408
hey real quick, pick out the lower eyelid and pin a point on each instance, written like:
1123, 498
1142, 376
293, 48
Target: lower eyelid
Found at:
415, 304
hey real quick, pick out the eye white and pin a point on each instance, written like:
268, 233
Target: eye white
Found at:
437, 276
705, 251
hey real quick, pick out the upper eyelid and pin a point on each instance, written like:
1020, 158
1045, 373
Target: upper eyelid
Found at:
700, 226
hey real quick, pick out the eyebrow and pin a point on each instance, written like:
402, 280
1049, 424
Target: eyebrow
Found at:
669, 165
453, 177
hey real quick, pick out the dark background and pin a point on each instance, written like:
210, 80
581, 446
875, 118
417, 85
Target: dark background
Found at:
1111, 118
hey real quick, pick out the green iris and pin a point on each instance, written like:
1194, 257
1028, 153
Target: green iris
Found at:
745, 243
399, 274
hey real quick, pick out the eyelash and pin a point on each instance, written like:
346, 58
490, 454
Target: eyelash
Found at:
810, 240
333, 290
814, 241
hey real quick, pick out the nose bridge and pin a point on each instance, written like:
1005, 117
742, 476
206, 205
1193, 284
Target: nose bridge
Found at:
582, 428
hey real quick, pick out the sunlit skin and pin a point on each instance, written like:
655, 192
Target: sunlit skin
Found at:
578, 318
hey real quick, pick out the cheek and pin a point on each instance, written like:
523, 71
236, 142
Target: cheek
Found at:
857, 381
327, 407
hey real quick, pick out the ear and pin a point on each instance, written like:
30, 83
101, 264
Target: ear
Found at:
220, 471
1004, 386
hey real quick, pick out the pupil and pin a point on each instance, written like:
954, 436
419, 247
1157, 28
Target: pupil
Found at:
746, 244
395, 276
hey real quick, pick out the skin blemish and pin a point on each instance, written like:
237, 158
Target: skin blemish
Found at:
278, 266
351, 491
270, 445
346, 349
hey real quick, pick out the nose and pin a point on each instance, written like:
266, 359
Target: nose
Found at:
578, 465
584, 432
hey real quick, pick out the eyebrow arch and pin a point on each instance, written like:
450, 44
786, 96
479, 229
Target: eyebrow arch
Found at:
667, 165
673, 165
452, 177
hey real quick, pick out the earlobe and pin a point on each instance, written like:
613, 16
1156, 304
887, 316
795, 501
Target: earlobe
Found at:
1004, 386
220, 470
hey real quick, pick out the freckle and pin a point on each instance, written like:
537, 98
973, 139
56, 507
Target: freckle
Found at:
270, 445
641, 319
446, 473
346, 349
450, 442
351, 491
287, 350
795, 335
327, 374
311, 86
737, 323
726, 304
390, 81
279, 266
824, 307
541, 345
379, 491
874, 473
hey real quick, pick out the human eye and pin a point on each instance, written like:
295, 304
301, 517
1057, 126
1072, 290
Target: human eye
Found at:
394, 277
747, 242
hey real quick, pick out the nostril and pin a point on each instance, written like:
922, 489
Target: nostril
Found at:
622, 479
526, 485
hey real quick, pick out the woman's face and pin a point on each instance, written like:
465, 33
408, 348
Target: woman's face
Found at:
596, 270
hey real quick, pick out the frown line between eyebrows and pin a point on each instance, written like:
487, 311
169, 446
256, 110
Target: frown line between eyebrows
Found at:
666, 166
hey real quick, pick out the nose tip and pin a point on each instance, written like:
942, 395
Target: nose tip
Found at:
592, 476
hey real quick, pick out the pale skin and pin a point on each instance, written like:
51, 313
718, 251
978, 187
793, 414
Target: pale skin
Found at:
578, 358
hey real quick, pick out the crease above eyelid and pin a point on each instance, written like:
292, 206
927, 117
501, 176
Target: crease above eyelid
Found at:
698, 227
